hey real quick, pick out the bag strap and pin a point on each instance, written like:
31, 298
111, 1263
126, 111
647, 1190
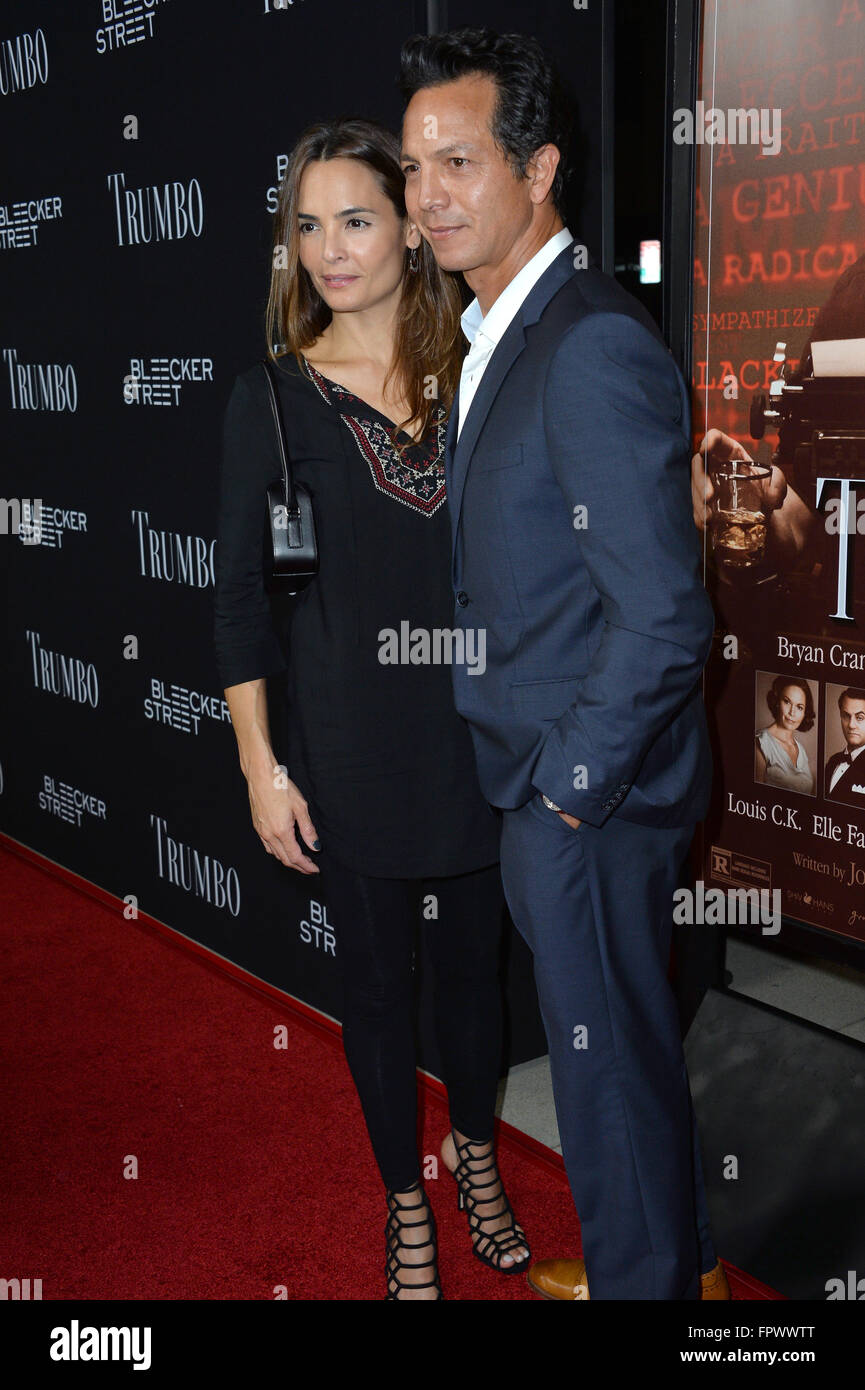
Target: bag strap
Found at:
287, 477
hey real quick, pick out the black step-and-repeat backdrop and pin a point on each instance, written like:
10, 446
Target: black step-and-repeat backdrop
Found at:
143, 146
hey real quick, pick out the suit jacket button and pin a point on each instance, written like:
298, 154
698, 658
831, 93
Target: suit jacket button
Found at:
462, 598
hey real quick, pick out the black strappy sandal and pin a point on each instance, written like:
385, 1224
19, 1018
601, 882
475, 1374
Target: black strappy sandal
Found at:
488, 1248
394, 1227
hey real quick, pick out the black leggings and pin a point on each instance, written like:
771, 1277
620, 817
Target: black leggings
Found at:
375, 921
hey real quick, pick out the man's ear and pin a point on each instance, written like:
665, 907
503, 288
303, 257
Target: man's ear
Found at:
541, 170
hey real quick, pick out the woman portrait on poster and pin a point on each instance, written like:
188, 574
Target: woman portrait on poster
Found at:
780, 759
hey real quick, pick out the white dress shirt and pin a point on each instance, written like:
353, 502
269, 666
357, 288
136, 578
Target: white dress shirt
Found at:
485, 332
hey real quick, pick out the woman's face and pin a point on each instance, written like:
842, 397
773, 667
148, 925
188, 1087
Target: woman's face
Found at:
352, 240
791, 707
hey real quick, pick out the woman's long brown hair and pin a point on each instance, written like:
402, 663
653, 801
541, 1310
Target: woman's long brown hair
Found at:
428, 343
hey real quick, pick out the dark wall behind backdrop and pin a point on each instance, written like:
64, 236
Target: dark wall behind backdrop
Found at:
135, 762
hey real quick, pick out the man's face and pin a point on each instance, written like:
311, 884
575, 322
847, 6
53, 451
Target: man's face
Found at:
459, 188
853, 721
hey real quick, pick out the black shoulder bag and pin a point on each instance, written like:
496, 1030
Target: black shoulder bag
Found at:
291, 548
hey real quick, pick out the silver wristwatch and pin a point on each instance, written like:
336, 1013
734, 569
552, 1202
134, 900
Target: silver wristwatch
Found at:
552, 805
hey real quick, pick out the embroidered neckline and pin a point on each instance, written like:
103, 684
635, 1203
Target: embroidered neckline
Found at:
327, 388
417, 478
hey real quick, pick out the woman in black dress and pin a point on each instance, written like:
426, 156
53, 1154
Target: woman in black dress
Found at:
382, 788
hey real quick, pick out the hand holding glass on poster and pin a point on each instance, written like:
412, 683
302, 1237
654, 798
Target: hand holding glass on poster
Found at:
739, 518
732, 496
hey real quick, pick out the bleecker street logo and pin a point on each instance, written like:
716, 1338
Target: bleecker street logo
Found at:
69, 803
272, 194
46, 525
317, 929
182, 709
125, 22
19, 222
158, 380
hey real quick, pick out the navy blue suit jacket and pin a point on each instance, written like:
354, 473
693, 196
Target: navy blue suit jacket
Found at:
597, 624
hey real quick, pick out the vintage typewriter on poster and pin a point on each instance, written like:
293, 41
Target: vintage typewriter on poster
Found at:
819, 416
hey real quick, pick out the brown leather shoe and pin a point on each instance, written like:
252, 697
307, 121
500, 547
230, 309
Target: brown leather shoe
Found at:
714, 1284
562, 1279
566, 1279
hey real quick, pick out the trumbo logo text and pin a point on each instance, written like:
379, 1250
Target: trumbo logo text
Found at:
173, 557
63, 675
41, 385
23, 62
163, 212
197, 873
841, 520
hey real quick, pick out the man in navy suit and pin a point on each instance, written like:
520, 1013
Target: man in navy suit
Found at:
574, 551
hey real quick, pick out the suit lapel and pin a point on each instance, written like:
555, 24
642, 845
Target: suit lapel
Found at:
450, 444
458, 452
505, 354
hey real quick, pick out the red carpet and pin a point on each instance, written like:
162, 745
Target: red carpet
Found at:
254, 1168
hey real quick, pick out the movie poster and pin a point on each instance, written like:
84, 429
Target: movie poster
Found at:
779, 420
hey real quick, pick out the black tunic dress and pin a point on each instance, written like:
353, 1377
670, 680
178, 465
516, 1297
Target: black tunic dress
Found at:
378, 750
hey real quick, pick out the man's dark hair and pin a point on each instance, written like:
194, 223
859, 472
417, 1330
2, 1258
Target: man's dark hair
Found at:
851, 694
531, 107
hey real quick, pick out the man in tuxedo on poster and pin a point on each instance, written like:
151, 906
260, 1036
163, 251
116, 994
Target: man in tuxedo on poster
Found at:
845, 771
575, 552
